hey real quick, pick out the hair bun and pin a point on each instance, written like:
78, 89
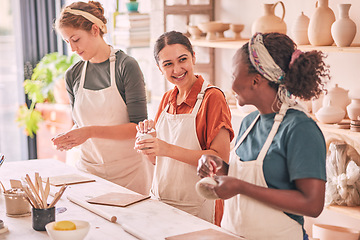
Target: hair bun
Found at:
98, 6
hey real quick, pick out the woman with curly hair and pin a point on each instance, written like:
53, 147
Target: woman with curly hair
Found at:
276, 173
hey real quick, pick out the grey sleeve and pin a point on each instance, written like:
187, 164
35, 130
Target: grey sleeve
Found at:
134, 85
69, 86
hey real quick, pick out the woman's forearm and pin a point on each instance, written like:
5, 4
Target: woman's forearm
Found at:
116, 132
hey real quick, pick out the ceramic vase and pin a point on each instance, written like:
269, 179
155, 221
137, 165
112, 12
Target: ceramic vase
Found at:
270, 22
338, 97
300, 30
353, 109
330, 113
319, 31
343, 30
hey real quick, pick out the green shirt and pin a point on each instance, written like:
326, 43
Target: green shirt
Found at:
298, 149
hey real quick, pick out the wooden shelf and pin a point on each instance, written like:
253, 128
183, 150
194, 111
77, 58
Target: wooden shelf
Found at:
229, 43
348, 211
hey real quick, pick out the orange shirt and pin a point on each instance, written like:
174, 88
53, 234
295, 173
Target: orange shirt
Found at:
214, 113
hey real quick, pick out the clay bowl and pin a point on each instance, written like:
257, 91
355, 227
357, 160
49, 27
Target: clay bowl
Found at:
329, 232
210, 28
194, 31
224, 27
237, 29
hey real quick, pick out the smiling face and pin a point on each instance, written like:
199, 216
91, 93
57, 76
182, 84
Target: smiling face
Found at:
243, 81
80, 41
177, 65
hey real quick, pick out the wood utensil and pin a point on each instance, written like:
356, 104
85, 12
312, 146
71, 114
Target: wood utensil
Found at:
47, 190
57, 196
32, 187
31, 196
2, 185
92, 208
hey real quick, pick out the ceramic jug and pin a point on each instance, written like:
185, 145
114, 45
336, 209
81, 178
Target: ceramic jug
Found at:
353, 109
300, 30
319, 31
338, 96
343, 30
270, 22
330, 113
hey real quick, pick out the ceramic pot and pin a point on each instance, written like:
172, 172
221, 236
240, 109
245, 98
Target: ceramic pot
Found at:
300, 30
319, 31
225, 27
194, 32
353, 109
330, 114
329, 232
237, 29
270, 22
210, 28
338, 97
343, 30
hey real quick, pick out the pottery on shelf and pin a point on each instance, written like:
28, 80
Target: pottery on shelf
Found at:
237, 29
220, 33
330, 114
210, 28
270, 22
338, 97
132, 6
343, 30
353, 109
300, 30
194, 31
319, 31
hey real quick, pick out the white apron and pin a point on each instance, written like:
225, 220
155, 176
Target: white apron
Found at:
174, 181
114, 160
248, 217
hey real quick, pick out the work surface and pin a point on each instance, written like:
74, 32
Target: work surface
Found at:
149, 217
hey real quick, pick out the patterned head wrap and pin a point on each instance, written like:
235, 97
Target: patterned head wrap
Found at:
263, 62
89, 17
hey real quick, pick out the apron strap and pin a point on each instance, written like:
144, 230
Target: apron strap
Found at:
82, 77
200, 97
112, 60
277, 121
246, 133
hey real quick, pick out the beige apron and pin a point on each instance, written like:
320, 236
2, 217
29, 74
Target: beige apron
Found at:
248, 217
174, 181
114, 160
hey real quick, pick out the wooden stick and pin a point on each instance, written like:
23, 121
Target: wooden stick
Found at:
28, 199
92, 208
47, 190
58, 196
32, 187
43, 200
2, 185
37, 183
30, 196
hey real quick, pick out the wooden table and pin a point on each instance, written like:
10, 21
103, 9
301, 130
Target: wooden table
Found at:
151, 217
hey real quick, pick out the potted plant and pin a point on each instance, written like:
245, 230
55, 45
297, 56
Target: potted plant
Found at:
132, 6
47, 76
